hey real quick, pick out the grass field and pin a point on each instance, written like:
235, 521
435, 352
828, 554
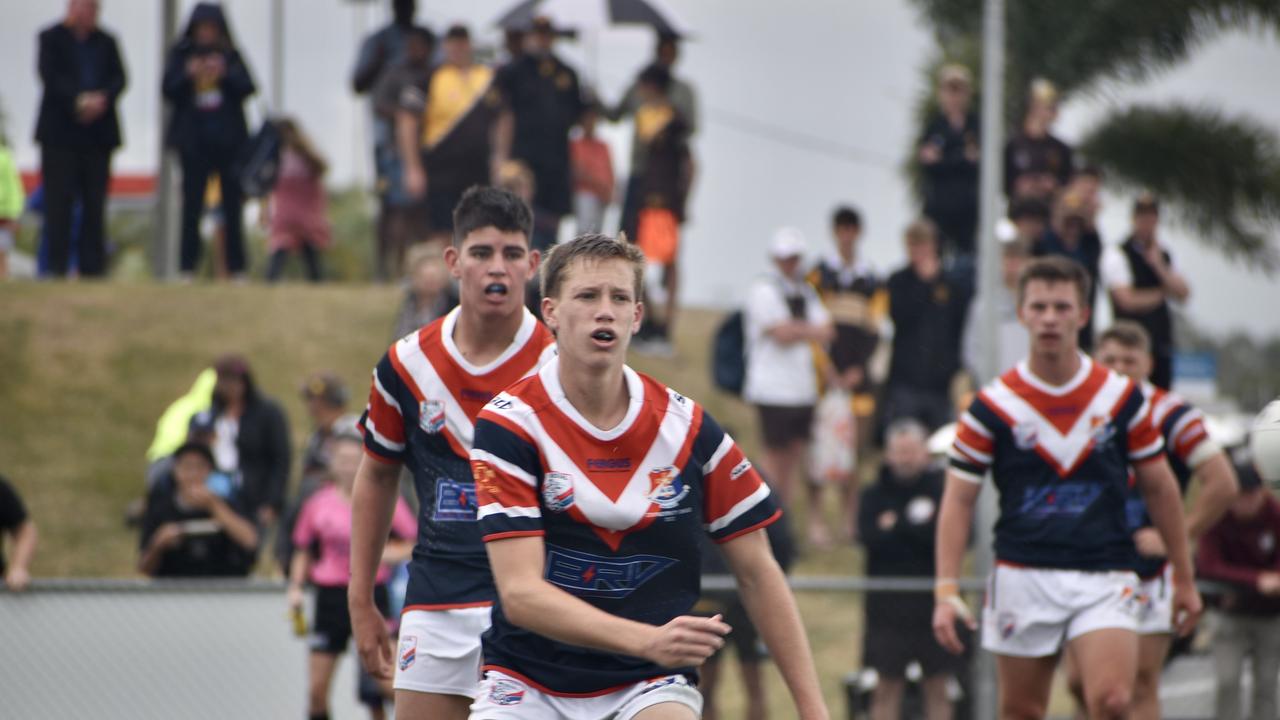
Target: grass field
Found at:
86, 369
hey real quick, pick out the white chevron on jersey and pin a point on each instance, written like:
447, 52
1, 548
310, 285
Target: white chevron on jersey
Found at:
429, 387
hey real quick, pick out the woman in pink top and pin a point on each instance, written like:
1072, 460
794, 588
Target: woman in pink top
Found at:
298, 211
322, 537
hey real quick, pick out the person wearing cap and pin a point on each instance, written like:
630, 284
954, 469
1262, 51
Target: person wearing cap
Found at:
251, 438
784, 320
1072, 234
1015, 251
1036, 163
948, 153
928, 308
545, 102
195, 528
1140, 279
1241, 550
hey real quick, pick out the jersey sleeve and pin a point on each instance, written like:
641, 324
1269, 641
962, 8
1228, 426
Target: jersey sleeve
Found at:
1187, 437
1144, 440
505, 464
403, 525
383, 421
736, 499
973, 450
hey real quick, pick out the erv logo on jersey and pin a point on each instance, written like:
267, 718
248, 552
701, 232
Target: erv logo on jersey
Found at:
431, 416
603, 576
455, 501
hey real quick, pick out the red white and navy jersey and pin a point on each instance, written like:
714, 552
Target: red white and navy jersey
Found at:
421, 413
1187, 443
1060, 458
621, 513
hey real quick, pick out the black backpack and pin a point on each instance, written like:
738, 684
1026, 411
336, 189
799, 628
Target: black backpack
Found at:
729, 354
260, 161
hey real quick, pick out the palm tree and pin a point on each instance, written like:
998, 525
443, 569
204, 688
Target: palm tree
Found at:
1220, 174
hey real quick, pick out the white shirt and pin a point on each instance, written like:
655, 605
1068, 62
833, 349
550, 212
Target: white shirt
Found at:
779, 374
1115, 268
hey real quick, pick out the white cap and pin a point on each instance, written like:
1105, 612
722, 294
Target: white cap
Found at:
788, 242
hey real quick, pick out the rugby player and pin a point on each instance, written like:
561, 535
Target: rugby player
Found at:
595, 482
422, 406
1059, 434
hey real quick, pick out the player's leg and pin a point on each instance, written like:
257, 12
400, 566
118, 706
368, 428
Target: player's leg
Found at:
1024, 684
753, 683
886, 698
413, 705
709, 680
1075, 683
1108, 660
666, 711
937, 697
320, 666
1152, 650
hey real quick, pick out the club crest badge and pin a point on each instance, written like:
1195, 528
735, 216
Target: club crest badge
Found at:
1025, 436
408, 652
431, 416
506, 692
666, 488
557, 491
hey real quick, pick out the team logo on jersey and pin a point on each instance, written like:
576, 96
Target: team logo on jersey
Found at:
1101, 430
431, 416
408, 652
506, 692
1025, 436
557, 491
664, 682
740, 469
666, 488
602, 576
455, 501
1067, 499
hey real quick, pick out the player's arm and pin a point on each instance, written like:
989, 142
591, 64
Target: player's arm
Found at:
534, 604
1164, 503
772, 608
955, 520
373, 499
1218, 487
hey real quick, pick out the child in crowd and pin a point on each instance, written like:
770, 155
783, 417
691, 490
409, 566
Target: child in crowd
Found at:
298, 209
322, 538
592, 174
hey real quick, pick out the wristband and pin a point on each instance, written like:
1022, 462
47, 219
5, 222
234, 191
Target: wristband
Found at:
944, 588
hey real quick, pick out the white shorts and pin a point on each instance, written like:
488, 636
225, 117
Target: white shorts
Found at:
1033, 612
439, 651
1155, 604
503, 697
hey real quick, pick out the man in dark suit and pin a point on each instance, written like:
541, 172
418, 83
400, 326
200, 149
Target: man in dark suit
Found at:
77, 130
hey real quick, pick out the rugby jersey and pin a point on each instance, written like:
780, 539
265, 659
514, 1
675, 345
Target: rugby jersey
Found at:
421, 412
1187, 443
1059, 456
620, 512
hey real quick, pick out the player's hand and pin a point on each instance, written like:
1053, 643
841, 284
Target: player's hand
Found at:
1149, 543
415, 180
1269, 583
686, 640
1187, 606
370, 631
17, 579
948, 609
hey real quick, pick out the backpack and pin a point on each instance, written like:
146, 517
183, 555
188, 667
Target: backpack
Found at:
729, 354
260, 161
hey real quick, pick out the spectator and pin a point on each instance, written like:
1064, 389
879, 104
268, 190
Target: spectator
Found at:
685, 101
251, 438
298, 208
1030, 218
592, 174
446, 135
545, 102
1140, 279
516, 177
784, 319
1072, 235
77, 130
1037, 164
206, 83
897, 522
201, 429
190, 529
18, 525
855, 295
664, 186
380, 54
1011, 335
948, 154
403, 218
928, 311
322, 538
1241, 550
44, 268
326, 399
12, 198
428, 292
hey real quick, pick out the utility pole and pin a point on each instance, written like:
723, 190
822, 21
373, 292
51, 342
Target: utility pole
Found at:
165, 230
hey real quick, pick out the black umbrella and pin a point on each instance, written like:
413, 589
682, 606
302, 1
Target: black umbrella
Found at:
591, 14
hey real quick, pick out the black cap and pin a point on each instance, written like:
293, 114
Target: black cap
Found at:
457, 32
202, 423
198, 448
1248, 476
1029, 208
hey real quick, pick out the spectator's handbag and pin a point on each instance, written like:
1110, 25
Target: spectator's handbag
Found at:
260, 164
833, 453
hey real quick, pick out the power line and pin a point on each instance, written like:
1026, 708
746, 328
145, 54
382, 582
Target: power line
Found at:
801, 140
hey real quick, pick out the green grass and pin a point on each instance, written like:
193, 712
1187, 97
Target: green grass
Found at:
86, 369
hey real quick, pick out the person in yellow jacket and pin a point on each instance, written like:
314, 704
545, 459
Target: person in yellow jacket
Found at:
12, 198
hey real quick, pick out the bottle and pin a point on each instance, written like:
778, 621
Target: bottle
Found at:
299, 621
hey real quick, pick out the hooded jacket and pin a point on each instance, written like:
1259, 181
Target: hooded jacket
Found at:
212, 116
262, 442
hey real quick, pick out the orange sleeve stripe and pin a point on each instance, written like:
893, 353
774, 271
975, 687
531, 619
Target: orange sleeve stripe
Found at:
513, 534
762, 524
974, 440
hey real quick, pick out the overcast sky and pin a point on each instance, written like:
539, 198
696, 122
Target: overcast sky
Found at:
835, 77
